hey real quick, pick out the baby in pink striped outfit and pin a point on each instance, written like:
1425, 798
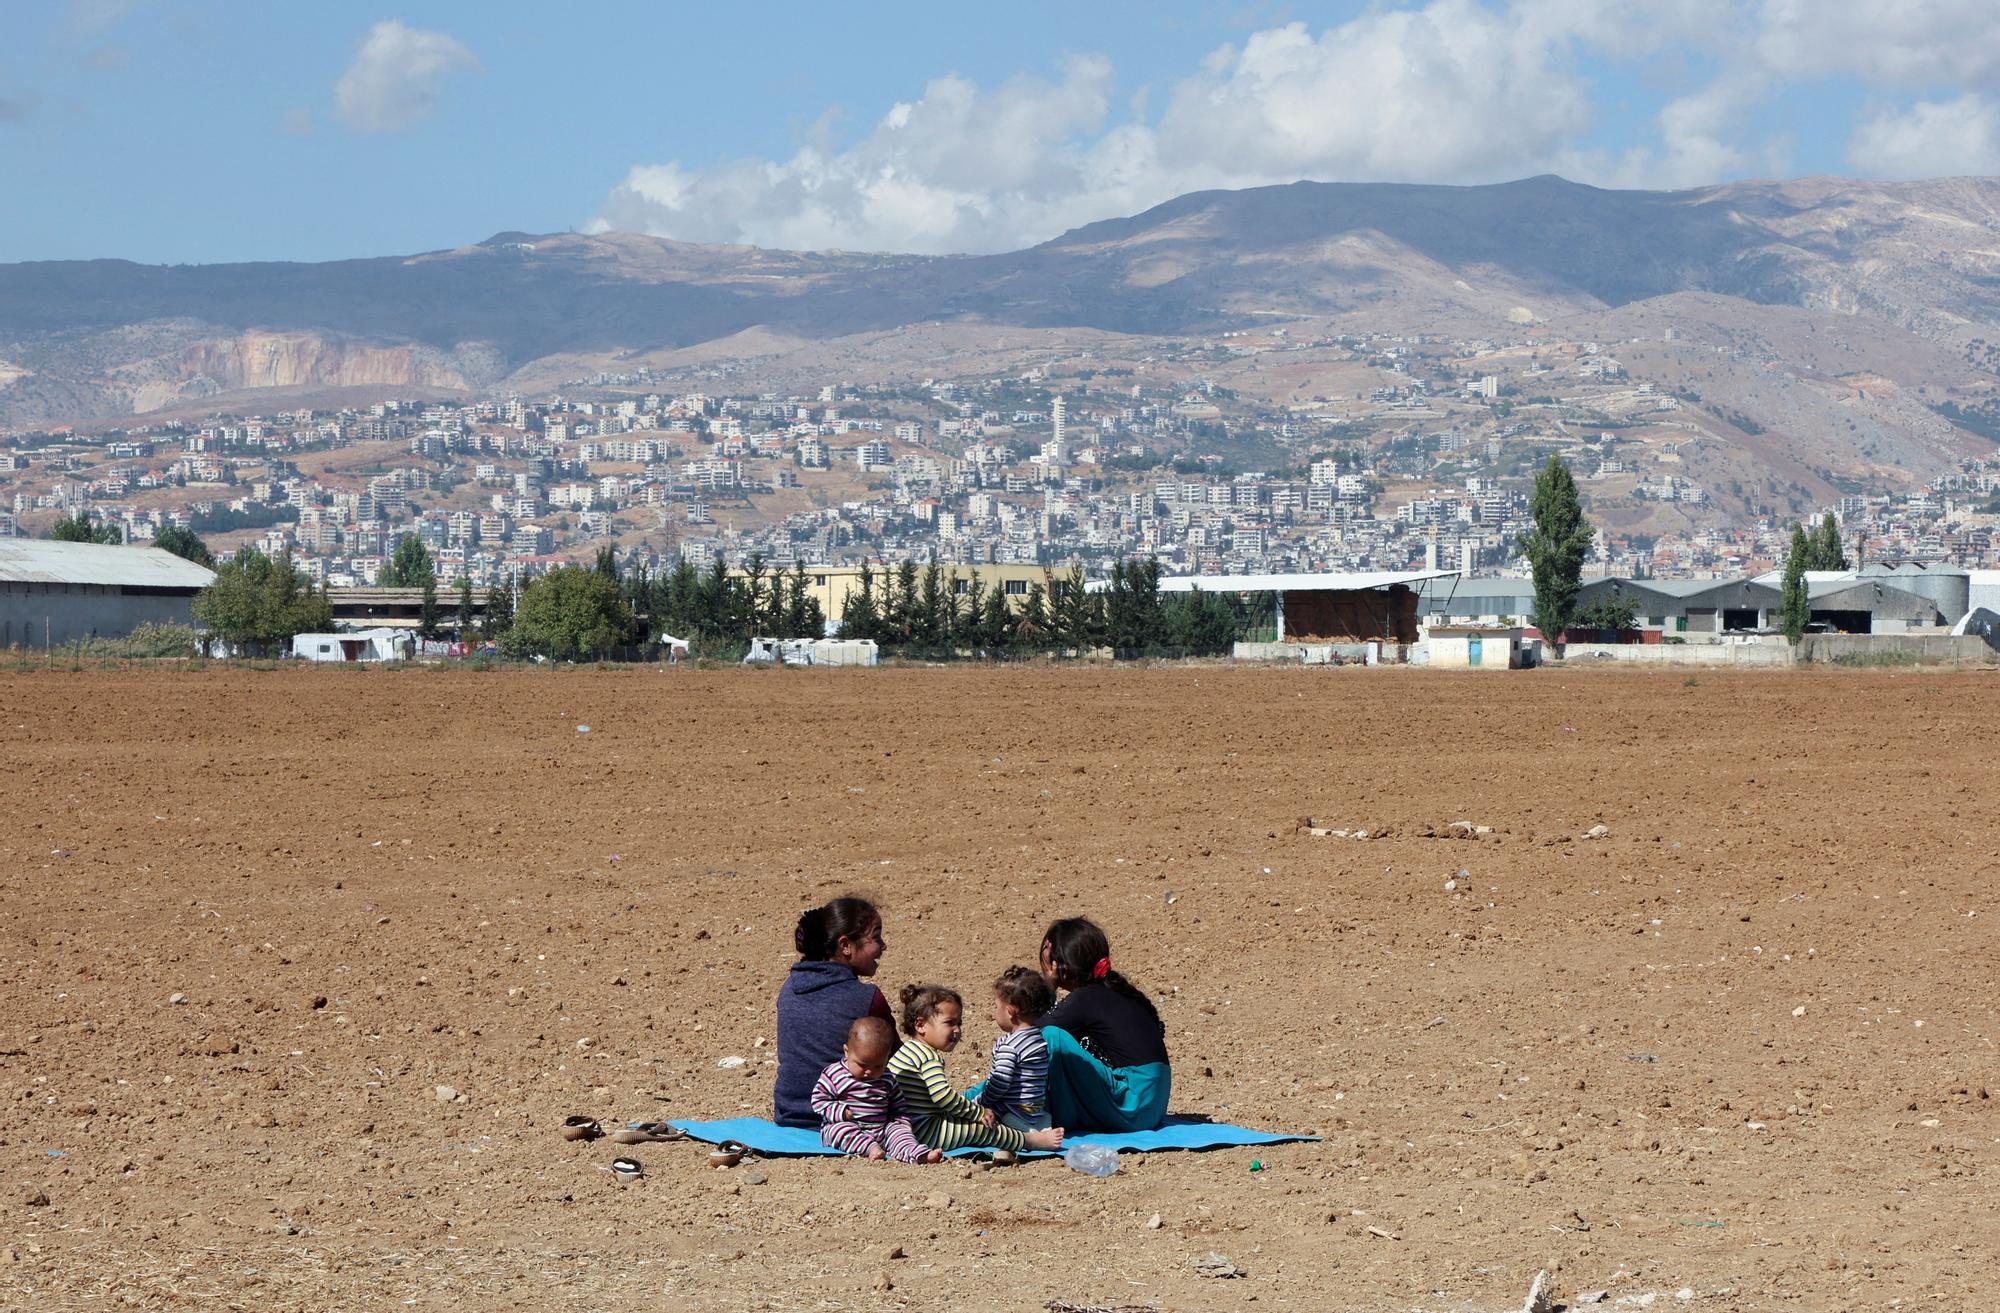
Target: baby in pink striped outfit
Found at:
860, 1107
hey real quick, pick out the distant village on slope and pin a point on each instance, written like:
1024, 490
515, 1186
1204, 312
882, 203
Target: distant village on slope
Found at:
1427, 463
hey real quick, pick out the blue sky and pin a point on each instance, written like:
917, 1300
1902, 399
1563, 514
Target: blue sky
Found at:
212, 130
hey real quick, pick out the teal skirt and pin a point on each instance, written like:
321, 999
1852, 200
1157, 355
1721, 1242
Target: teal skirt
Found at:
1085, 1095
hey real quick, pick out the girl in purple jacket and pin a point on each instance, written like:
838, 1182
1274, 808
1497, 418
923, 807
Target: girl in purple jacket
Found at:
827, 992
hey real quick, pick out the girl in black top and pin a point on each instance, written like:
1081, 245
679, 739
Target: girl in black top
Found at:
1108, 1067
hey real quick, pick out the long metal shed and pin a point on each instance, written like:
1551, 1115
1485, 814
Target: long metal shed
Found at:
53, 593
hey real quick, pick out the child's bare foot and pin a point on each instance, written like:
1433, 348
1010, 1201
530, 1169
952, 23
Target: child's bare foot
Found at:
875, 1154
1048, 1139
934, 1156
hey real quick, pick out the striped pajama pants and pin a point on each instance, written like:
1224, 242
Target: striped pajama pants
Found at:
894, 1136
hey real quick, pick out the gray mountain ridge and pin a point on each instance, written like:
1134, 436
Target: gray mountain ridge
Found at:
99, 337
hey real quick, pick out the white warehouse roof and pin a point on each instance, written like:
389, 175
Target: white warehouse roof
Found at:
37, 561
1297, 583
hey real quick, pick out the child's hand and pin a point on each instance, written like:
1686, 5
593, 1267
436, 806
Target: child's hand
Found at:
988, 1118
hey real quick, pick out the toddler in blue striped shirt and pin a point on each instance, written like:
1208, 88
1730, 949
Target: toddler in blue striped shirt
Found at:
1017, 1088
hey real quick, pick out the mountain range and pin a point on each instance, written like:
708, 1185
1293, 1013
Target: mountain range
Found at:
1905, 275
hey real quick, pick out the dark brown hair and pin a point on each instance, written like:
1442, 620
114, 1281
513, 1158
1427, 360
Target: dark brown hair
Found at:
871, 1036
1027, 991
1077, 949
921, 1003
820, 931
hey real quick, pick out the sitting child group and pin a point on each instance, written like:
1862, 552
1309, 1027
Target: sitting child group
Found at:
1095, 1061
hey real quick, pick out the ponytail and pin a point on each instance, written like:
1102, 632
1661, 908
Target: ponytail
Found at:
820, 930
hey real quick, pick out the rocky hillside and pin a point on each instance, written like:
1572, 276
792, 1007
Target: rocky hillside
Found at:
104, 337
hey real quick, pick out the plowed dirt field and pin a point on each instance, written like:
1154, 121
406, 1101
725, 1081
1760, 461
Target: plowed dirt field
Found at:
1736, 1053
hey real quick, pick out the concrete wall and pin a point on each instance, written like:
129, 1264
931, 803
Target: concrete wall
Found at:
1682, 654
1927, 648
74, 611
1319, 654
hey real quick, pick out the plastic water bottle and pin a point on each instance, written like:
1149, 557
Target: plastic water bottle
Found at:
1092, 1159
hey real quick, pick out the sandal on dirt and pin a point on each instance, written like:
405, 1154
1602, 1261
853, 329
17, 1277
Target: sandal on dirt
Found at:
626, 1170
581, 1128
728, 1153
647, 1133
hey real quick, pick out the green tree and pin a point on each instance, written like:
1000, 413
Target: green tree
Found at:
996, 621
859, 618
899, 611
571, 614
606, 563
1074, 613
714, 603
410, 565
427, 618
258, 602
676, 611
79, 529
1200, 624
756, 604
1031, 627
499, 612
928, 624
798, 601
1794, 600
1827, 552
1555, 548
465, 608
183, 543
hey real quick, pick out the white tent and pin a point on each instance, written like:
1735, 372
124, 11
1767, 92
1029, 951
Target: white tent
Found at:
359, 645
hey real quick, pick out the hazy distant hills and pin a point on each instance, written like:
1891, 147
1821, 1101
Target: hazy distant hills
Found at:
106, 337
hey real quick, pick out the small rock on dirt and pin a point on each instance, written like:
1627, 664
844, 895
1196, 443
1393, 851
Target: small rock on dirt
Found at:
1541, 1294
34, 1198
753, 1178
937, 1199
445, 1093
1217, 1266
1598, 832
1153, 1223
177, 999
895, 1252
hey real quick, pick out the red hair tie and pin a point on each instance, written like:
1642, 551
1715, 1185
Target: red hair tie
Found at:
1102, 969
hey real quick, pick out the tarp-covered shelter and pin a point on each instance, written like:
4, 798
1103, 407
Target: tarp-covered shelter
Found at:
1331, 607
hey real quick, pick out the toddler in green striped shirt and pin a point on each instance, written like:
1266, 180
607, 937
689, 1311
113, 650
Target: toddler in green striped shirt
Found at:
934, 1019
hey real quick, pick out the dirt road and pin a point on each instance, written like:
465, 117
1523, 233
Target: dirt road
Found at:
1740, 1047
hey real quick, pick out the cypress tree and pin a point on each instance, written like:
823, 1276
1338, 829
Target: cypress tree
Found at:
860, 618
1794, 604
1555, 548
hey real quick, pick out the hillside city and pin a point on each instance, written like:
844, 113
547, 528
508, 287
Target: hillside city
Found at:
1429, 462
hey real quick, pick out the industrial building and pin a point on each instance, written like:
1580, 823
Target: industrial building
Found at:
53, 593
1323, 617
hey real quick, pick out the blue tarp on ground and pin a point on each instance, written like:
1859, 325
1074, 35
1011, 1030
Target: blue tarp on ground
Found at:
773, 1140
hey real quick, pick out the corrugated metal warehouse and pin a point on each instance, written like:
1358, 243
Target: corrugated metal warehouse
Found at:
54, 593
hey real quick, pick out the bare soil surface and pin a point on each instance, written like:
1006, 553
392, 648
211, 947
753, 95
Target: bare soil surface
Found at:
1735, 1054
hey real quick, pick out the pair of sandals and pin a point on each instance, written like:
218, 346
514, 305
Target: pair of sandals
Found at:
586, 1128
726, 1154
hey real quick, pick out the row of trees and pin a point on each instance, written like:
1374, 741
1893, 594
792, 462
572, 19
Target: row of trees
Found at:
1815, 549
921, 608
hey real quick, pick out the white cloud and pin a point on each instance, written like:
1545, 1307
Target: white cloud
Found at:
1454, 91
1446, 92
1903, 43
1931, 139
1700, 143
398, 77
